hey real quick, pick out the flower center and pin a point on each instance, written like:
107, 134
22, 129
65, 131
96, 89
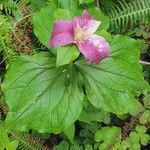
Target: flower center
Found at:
80, 35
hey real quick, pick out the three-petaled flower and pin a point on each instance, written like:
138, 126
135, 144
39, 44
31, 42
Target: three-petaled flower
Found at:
80, 31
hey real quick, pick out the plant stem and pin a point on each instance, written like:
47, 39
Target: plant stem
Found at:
97, 3
144, 62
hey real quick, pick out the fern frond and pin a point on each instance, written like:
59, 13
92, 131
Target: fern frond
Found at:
26, 142
124, 16
5, 38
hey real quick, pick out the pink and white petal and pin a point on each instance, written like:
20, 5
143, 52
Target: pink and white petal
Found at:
88, 25
86, 15
80, 22
63, 26
95, 49
62, 33
61, 39
92, 26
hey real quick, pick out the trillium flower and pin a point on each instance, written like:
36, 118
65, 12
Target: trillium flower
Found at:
80, 31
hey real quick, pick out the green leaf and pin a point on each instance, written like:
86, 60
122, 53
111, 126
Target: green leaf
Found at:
108, 136
70, 132
66, 54
63, 145
71, 5
85, 1
4, 140
136, 146
98, 15
145, 139
145, 118
113, 84
41, 96
91, 113
134, 137
88, 147
62, 14
146, 100
106, 35
140, 129
126, 143
12, 145
43, 23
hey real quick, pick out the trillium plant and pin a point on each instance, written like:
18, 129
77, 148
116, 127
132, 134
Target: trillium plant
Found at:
80, 72
80, 31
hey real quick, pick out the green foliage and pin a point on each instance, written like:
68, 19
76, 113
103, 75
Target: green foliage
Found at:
91, 114
43, 24
124, 16
51, 112
27, 142
5, 39
5, 143
105, 78
145, 117
85, 1
61, 92
136, 138
108, 137
66, 55
13, 7
46, 17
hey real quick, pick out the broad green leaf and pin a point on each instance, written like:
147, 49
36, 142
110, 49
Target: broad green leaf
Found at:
66, 54
62, 14
108, 136
90, 113
97, 14
43, 23
85, 1
112, 84
41, 96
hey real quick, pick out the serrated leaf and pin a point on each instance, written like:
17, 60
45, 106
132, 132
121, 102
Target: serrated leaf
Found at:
43, 23
41, 96
66, 54
111, 84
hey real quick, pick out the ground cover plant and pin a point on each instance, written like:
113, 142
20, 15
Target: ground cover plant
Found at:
75, 74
